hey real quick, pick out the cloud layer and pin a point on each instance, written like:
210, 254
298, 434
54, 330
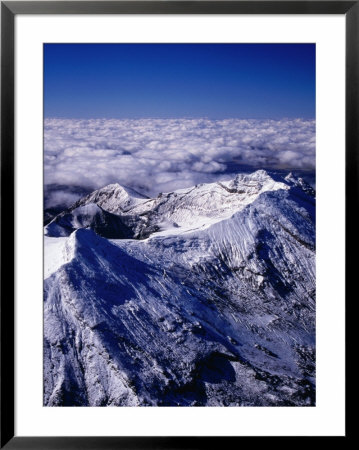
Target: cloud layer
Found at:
160, 155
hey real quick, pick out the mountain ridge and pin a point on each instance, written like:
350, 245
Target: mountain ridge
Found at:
217, 315
197, 206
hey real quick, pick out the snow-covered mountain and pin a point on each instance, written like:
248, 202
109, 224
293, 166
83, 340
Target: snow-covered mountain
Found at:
203, 296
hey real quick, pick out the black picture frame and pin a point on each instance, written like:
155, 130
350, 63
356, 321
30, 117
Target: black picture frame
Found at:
9, 9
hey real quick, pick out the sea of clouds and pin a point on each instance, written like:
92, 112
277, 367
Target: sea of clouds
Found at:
161, 155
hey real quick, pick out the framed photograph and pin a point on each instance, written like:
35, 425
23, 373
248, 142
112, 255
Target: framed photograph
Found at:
175, 181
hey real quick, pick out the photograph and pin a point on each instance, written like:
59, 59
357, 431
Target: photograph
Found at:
179, 239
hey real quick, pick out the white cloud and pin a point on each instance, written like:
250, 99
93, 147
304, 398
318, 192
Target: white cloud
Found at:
158, 155
61, 197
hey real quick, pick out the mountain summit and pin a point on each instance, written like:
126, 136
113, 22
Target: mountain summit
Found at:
199, 297
174, 212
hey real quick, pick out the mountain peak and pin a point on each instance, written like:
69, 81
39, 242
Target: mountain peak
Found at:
124, 213
217, 309
119, 189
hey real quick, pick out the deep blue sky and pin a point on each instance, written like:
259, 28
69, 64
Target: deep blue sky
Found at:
179, 80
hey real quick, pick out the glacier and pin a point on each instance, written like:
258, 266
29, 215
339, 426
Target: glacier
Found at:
204, 296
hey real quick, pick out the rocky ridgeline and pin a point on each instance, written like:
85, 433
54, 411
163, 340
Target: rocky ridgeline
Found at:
200, 297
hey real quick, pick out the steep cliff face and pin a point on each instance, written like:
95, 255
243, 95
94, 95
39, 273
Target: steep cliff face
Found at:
209, 299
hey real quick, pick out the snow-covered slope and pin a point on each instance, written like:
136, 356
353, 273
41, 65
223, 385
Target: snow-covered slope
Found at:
217, 309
